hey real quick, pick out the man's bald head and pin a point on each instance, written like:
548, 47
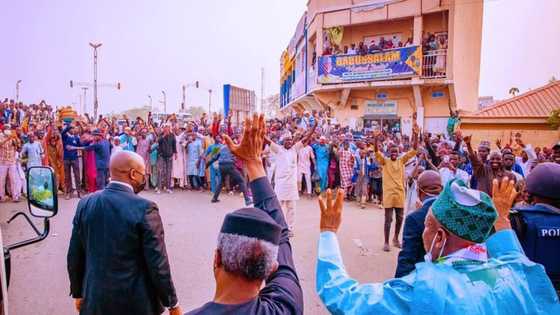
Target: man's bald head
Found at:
429, 184
122, 163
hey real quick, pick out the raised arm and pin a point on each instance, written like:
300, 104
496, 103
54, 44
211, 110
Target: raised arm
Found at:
342, 294
284, 280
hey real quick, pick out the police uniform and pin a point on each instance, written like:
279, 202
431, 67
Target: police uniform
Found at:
538, 225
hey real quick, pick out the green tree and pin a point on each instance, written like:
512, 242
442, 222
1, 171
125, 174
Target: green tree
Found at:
513, 91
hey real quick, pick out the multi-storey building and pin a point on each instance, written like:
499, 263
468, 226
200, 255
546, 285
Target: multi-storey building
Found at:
418, 56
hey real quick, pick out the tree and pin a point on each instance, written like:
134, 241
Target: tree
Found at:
513, 91
554, 119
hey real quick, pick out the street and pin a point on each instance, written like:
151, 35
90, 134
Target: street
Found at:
40, 285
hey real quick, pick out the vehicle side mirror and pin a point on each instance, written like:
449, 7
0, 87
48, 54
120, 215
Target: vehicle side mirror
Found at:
42, 192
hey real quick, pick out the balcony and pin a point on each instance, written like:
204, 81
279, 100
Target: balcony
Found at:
434, 64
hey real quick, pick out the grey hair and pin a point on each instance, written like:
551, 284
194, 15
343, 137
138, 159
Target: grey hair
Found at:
248, 257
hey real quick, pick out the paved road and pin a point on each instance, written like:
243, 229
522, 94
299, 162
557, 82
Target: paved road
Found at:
40, 286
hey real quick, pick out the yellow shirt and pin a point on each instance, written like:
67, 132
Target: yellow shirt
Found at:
393, 179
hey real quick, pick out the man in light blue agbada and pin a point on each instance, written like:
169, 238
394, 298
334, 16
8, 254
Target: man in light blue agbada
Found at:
458, 276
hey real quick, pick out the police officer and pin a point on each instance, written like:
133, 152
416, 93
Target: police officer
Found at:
538, 225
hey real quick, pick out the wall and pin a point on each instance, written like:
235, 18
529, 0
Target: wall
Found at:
465, 35
435, 107
538, 135
355, 34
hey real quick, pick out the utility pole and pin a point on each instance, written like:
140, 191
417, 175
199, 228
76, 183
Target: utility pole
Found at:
209, 102
184, 87
84, 109
150, 97
95, 101
164, 102
17, 90
262, 89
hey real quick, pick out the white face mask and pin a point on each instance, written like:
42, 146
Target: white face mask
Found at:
429, 257
7, 132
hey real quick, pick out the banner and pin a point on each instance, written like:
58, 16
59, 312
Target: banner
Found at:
399, 62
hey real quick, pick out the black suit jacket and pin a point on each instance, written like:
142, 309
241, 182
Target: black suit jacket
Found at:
413, 246
117, 261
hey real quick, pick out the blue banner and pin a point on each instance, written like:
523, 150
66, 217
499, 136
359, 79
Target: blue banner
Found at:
398, 62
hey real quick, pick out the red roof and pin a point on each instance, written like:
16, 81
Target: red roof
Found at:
535, 103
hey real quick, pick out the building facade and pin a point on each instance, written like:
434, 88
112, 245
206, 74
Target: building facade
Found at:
376, 62
526, 114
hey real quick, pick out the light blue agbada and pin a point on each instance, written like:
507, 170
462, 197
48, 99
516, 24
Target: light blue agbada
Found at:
508, 283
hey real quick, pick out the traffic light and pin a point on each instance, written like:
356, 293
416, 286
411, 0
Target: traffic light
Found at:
196, 84
71, 83
118, 85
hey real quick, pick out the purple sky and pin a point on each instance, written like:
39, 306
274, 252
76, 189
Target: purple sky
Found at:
151, 46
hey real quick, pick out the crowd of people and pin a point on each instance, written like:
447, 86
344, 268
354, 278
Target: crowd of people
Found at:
363, 48
465, 251
456, 198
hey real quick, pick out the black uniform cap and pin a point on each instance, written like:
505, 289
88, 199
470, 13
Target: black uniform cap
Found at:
252, 222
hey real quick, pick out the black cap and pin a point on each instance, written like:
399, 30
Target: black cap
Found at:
556, 146
252, 222
544, 180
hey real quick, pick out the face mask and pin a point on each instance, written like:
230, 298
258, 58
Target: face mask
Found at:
7, 132
428, 257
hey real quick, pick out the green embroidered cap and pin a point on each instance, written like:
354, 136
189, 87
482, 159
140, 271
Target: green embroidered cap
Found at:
467, 213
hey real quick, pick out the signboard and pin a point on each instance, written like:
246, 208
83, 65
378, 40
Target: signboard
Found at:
398, 62
238, 100
387, 108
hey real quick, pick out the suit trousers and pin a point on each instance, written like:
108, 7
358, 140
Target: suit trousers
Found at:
102, 177
71, 166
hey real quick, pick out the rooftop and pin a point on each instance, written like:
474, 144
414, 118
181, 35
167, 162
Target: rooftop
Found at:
537, 103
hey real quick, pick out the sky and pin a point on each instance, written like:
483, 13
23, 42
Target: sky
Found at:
150, 46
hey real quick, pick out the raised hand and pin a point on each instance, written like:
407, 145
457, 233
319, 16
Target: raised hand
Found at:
467, 139
503, 195
251, 145
331, 211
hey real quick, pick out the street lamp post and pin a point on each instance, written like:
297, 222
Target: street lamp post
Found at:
184, 88
164, 102
17, 90
84, 104
150, 97
209, 101
95, 101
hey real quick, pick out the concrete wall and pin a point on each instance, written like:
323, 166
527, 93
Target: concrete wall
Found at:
355, 34
465, 29
538, 135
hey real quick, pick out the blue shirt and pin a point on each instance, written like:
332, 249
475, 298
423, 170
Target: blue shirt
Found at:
508, 283
102, 151
72, 140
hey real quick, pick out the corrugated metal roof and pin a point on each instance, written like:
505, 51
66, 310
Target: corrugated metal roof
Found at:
535, 103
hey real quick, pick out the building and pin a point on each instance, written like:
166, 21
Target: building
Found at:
240, 102
430, 66
526, 113
485, 101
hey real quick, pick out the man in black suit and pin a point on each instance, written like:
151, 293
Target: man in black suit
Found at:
429, 187
117, 260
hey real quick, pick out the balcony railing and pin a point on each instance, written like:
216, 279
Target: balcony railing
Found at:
434, 64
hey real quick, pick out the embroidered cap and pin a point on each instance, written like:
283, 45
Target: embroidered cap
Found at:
252, 222
468, 213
